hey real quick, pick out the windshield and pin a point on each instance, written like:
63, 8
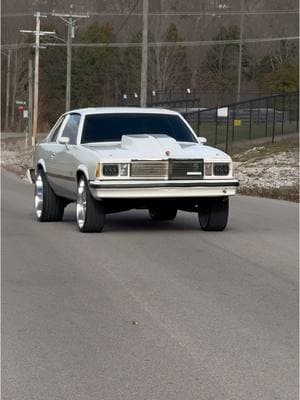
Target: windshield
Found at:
111, 127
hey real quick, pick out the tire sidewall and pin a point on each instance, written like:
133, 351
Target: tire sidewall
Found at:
41, 175
94, 217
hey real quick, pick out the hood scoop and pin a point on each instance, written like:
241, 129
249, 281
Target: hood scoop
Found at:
151, 146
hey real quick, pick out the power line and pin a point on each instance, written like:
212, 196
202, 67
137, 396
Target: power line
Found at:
200, 13
160, 44
16, 46
169, 13
23, 14
128, 16
157, 44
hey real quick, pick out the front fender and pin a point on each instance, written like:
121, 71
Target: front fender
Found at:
83, 169
42, 163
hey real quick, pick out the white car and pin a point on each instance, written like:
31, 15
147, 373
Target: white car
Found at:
116, 159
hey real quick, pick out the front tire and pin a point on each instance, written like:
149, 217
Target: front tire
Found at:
213, 214
48, 206
90, 213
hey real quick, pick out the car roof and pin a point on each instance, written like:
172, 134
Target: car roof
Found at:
122, 110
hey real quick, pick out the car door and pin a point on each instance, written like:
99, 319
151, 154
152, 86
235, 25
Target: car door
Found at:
64, 163
49, 149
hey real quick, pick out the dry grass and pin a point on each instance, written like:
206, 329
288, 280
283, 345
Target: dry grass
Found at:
260, 152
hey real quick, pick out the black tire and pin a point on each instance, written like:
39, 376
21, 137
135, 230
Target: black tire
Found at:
93, 218
163, 214
213, 214
48, 206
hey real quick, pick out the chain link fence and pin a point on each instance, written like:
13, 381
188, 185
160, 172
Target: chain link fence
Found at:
264, 117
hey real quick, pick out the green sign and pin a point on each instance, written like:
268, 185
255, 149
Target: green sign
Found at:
21, 102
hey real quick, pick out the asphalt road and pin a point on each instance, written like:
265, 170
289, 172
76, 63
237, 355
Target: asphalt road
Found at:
149, 310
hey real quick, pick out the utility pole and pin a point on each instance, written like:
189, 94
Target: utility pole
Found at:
144, 68
37, 33
36, 79
14, 86
69, 63
238, 97
30, 99
70, 20
7, 89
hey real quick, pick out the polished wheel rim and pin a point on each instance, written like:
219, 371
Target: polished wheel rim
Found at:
81, 204
38, 196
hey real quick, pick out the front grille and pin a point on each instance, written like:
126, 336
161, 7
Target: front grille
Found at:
149, 169
186, 169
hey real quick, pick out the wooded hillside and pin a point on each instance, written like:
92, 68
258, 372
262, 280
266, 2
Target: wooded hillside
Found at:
101, 76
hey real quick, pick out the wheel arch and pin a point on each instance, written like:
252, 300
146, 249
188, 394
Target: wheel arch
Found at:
82, 170
41, 165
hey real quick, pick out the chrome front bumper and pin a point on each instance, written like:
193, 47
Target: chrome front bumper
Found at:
163, 189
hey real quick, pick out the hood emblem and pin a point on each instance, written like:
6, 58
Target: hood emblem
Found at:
168, 152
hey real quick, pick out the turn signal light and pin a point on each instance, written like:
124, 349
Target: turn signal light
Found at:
208, 169
98, 170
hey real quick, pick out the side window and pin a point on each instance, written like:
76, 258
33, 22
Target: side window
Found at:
71, 128
56, 130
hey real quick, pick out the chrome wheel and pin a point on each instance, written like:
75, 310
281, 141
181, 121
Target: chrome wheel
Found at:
38, 196
81, 204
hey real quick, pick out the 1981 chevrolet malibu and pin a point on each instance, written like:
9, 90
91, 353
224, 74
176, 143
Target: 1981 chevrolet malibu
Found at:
116, 159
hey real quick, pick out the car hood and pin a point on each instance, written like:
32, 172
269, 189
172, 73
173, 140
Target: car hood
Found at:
154, 147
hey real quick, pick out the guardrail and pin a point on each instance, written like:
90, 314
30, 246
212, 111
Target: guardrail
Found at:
247, 120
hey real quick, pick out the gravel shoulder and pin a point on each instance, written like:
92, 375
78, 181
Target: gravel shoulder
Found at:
270, 170
15, 157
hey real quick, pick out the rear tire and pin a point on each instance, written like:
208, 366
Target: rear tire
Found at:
90, 213
213, 214
163, 214
48, 206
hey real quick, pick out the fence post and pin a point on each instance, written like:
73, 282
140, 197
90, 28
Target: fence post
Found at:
227, 130
297, 116
216, 131
198, 122
267, 116
250, 120
283, 111
186, 102
274, 120
233, 119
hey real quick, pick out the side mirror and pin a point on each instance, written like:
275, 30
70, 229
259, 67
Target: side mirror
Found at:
64, 140
202, 140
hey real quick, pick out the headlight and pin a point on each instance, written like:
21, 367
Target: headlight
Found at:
110, 169
221, 169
